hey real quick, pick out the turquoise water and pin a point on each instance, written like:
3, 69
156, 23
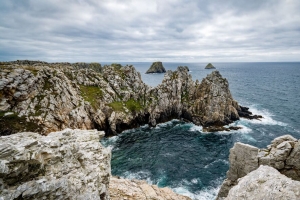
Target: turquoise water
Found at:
179, 155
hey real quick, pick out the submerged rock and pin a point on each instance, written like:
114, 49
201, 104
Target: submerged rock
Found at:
136, 189
265, 183
156, 67
283, 155
209, 66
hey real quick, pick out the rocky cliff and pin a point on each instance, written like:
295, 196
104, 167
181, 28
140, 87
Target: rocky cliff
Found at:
209, 66
70, 164
45, 97
156, 67
282, 155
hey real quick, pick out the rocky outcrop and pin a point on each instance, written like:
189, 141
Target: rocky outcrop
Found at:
156, 67
45, 97
136, 189
70, 164
265, 183
209, 66
283, 155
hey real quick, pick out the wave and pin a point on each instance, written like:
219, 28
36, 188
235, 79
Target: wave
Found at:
204, 194
110, 142
140, 175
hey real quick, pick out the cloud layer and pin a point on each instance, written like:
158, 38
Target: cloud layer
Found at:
135, 30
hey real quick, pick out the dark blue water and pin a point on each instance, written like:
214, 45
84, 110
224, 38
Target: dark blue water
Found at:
179, 155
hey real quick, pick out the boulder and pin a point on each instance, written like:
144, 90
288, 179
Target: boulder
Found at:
265, 183
156, 67
282, 154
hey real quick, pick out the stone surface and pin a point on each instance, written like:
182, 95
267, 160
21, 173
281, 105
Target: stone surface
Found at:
156, 67
45, 97
209, 66
282, 154
136, 189
70, 164
265, 183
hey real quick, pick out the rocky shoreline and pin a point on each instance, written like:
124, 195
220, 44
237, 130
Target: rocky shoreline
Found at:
46, 97
272, 173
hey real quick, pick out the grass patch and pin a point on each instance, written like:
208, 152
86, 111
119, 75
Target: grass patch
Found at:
131, 105
117, 106
91, 94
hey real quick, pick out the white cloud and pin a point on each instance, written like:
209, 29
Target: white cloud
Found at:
134, 30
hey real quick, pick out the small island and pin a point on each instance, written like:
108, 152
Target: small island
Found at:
156, 67
209, 66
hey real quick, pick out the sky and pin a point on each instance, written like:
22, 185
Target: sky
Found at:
149, 30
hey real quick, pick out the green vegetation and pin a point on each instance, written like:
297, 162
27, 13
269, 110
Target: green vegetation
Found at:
132, 105
91, 94
10, 124
116, 65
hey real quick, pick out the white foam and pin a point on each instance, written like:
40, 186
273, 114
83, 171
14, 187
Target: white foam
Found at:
141, 175
267, 117
206, 194
219, 160
196, 128
110, 143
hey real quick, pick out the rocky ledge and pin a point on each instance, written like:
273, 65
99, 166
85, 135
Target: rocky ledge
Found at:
156, 67
46, 97
70, 164
249, 177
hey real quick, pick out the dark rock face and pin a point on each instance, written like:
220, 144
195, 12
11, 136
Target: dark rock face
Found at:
56, 96
283, 155
156, 67
209, 66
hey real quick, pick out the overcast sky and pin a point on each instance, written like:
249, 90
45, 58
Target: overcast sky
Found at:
149, 30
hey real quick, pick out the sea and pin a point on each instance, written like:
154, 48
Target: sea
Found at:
191, 162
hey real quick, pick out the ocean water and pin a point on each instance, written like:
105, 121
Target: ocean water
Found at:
193, 163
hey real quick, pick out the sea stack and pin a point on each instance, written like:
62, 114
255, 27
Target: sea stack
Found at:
156, 67
209, 66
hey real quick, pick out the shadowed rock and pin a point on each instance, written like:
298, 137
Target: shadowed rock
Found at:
156, 67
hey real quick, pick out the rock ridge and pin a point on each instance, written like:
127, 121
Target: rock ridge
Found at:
46, 97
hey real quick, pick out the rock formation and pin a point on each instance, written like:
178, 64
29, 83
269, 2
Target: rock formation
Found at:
283, 154
265, 183
70, 164
156, 67
136, 189
46, 97
209, 66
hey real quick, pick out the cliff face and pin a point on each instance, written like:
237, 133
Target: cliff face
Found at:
282, 155
49, 97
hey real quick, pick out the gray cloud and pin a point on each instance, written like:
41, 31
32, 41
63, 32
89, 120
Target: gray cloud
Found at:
134, 30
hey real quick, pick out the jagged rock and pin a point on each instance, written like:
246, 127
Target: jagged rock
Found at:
156, 67
70, 164
265, 183
283, 155
47, 97
209, 66
136, 189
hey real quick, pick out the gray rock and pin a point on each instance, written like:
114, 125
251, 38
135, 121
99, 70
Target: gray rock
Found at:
282, 154
70, 164
265, 183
